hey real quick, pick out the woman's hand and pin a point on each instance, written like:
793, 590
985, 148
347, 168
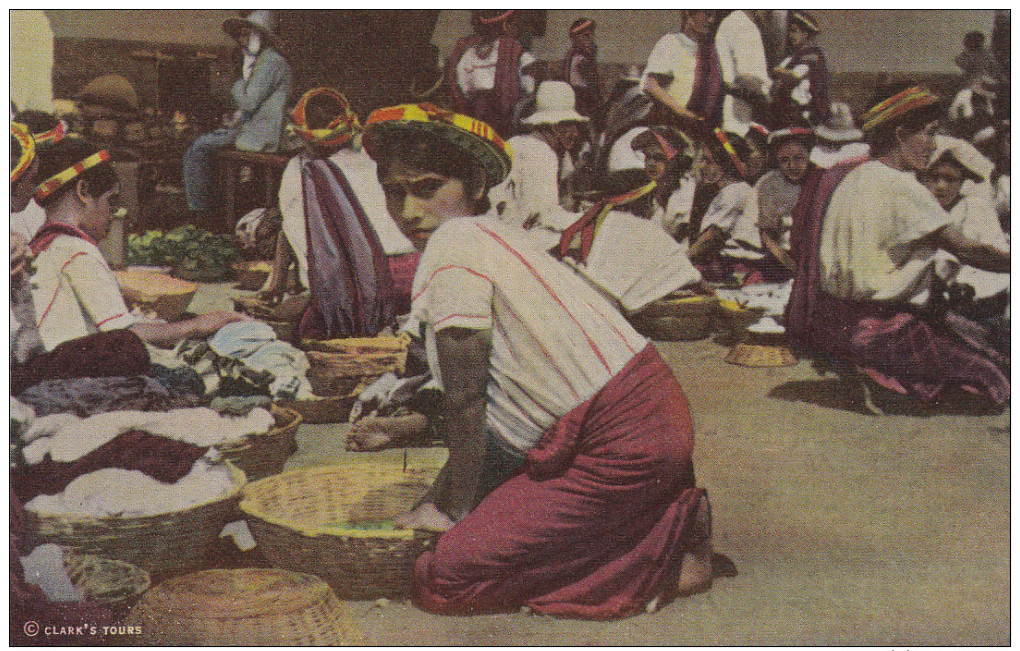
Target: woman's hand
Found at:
425, 517
210, 323
378, 433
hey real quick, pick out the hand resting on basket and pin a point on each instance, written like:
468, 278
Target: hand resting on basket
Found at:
425, 517
381, 432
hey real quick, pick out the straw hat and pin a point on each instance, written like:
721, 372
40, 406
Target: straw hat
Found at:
554, 103
262, 20
474, 137
840, 127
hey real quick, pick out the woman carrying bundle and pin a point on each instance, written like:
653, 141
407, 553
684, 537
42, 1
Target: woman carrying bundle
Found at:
569, 488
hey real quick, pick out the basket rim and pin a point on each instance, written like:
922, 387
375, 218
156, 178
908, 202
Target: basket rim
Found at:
240, 481
247, 507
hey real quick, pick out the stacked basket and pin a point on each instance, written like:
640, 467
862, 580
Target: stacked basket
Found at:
340, 367
262, 454
167, 542
337, 522
250, 606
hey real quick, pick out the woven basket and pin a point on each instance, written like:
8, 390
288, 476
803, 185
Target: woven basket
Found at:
251, 274
250, 606
166, 296
262, 454
735, 318
761, 350
335, 521
331, 409
677, 319
340, 367
116, 584
157, 543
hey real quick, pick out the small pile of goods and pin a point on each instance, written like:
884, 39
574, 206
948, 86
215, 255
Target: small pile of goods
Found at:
681, 316
192, 253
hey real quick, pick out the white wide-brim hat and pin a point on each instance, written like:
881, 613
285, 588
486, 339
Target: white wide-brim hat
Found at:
554, 103
840, 126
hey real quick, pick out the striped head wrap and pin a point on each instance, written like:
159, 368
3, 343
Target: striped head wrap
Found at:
582, 24
51, 137
580, 235
60, 179
727, 146
900, 104
474, 137
805, 20
20, 133
492, 20
338, 132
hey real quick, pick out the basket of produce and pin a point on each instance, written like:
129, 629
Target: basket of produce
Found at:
337, 522
250, 606
677, 318
251, 274
156, 293
322, 409
340, 367
194, 254
262, 454
170, 541
116, 584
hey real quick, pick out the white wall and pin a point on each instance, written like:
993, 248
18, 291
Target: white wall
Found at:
31, 60
861, 40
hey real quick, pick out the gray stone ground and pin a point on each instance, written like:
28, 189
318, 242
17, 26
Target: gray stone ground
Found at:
846, 528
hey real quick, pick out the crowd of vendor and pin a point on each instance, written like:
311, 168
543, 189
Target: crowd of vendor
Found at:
516, 228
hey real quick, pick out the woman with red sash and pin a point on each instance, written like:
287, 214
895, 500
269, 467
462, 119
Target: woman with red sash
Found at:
866, 233
569, 487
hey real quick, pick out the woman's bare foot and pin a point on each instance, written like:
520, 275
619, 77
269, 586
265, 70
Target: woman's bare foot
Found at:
696, 567
426, 518
378, 433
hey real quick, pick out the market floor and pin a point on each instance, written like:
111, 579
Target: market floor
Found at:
846, 528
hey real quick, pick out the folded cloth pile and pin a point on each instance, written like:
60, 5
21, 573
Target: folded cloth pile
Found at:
67, 437
97, 395
113, 492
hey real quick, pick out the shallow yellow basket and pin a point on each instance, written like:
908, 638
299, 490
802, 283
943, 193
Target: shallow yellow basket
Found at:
168, 297
337, 522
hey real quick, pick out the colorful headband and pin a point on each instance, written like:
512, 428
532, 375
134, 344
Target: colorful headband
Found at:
760, 128
53, 136
911, 99
720, 135
472, 136
21, 134
667, 148
337, 132
805, 19
496, 19
583, 25
59, 180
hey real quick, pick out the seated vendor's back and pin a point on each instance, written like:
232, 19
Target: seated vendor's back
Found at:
555, 340
75, 293
360, 171
873, 243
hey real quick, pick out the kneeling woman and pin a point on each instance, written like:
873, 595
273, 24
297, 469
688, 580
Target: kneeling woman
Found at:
569, 487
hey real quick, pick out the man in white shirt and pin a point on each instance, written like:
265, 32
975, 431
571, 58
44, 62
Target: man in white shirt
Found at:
744, 67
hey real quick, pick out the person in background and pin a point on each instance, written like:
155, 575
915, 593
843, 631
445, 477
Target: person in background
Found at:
757, 138
348, 251
83, 323
684, 77
668, 157
745, 71
532, 196
800, 95
259, 98
975, 61
569, 487
581, 70
489, 72
46, 130
868, 258
775, 195
977, 294
24, 335
727, 243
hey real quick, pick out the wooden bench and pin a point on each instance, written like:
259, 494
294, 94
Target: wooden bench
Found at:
266, 167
